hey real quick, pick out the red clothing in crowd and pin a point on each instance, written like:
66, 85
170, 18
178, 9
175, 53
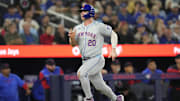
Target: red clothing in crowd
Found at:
46, 39
3, 32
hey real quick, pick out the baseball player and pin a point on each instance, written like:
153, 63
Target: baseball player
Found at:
89, 36
9, 84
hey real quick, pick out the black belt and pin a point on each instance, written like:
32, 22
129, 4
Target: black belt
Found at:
86, 58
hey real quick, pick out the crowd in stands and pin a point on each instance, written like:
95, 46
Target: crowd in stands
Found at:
27, 22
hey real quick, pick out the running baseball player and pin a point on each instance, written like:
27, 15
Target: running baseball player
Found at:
89, 36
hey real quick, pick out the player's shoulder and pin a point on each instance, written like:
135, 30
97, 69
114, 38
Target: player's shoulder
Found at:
57, 68
44, 70
14, 75
78, 26
98, 23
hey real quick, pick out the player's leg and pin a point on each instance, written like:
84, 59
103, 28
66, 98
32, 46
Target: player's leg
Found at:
85, 83
100, 85
83, 74
96, 78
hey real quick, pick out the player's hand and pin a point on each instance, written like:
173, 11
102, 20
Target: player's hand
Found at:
72, 34
28, 92
113, 54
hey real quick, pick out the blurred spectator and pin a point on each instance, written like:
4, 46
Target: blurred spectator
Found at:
146, 38
9, 84
38, 9
129, 69
175, 84
151, 69
126, 88
159, 29
176, 28
46, 4
176, 31
131, 6
47, 37
27, 36
168, 38
123, 14
140, 9
115, 67
58, 7
125, 35
5, 26
106, 17
141, 28
142, 20
61, 36
12, 14
45, 21
173, 15
28, 18
114, 22
151, 3
176, 1
168, 4
178, 20
158, 24
2, 41
49, 69
162, 12
149, 91
33, 24
73, 13
12, 37
154, 15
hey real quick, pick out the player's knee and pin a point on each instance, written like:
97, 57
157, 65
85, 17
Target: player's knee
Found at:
100, 87
81, 75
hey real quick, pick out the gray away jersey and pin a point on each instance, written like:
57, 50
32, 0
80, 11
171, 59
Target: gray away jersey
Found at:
91, 38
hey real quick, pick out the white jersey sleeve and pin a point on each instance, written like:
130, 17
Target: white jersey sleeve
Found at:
105, 30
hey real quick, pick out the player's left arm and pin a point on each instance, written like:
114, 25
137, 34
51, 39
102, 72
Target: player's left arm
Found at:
106, 30
22, 84
114, 41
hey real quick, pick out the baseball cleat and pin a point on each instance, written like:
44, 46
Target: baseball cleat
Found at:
120, 98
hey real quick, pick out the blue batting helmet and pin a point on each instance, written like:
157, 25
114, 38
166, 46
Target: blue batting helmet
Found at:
90, 9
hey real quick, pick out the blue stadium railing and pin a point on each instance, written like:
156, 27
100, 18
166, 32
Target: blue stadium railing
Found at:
61, 87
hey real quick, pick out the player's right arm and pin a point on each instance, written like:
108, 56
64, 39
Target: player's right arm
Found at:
72, 35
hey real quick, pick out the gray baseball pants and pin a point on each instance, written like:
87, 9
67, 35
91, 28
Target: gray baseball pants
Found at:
90, 71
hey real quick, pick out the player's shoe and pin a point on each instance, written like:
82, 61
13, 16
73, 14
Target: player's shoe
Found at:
120, 98
89, 99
